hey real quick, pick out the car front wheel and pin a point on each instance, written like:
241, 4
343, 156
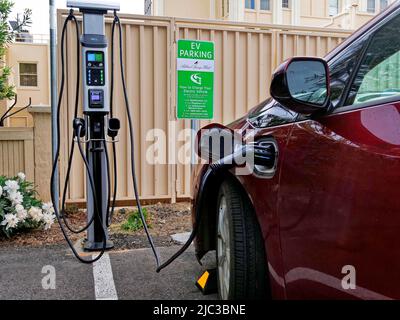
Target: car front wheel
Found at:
241, 261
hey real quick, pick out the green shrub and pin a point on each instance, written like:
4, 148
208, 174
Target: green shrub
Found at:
134, 223
20, 209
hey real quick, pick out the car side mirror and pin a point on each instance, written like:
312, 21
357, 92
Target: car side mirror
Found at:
302, 85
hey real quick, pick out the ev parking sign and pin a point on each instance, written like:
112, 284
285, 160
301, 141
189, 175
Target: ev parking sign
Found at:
195, 66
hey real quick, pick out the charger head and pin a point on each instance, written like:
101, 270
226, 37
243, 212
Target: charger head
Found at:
94, 5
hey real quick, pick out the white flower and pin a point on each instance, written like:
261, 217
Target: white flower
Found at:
48, 219
11, 186
36, 214
21, 176
16, 198
48, 208
22, 214
1, 191
10, 221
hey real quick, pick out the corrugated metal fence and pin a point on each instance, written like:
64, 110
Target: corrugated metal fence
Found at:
246, 55
16, 152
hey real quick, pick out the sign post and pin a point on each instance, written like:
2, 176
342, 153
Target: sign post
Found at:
195, 92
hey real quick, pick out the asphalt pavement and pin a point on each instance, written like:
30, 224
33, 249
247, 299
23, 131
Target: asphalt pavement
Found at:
52, 273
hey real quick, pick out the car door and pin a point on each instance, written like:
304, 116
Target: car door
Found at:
339, 203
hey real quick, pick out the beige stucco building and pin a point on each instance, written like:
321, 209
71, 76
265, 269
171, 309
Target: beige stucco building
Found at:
30, 76
348, 14
30, 61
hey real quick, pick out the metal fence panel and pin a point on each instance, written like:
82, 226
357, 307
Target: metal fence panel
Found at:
16, 152
246, 56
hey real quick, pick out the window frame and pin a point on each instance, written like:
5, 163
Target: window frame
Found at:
370, 33
20, 86
367, 7
225, 8
288, 5
269, 6
337, 7
380, 5
251, 9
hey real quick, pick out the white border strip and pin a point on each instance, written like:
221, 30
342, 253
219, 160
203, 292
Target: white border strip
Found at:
104, 286
195, 65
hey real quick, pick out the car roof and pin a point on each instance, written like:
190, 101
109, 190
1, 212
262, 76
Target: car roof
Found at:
388, 11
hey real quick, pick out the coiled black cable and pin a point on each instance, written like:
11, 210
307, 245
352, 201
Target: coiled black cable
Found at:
110, 211
132, 137
71, 154
57, 155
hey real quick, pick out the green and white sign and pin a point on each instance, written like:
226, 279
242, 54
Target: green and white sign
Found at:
195, 65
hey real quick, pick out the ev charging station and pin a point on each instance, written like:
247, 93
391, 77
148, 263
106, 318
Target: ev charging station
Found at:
96, 108
95, 129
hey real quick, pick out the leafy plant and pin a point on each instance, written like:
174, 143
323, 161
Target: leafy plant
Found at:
24, 21
7, 35
20, 208
134, 223
72, 209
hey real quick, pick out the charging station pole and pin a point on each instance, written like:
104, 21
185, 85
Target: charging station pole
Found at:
96, 109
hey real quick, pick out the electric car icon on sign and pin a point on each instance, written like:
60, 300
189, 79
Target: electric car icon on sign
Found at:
323, 200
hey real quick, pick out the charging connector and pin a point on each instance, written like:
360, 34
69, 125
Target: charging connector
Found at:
79, 126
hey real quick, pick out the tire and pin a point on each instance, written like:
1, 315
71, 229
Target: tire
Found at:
246, 270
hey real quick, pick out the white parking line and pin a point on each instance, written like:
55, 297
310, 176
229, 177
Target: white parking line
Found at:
103, 279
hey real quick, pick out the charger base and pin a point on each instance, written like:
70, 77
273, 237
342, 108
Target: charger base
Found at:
97, 246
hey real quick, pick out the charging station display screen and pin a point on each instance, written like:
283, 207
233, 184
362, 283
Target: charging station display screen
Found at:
95, 97
95, 57
95, 68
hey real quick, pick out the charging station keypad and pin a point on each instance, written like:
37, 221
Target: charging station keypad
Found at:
95, 68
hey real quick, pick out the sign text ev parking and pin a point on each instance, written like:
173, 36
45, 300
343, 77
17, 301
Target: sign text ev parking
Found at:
195, 66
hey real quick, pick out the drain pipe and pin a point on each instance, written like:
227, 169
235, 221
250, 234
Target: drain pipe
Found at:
54, 98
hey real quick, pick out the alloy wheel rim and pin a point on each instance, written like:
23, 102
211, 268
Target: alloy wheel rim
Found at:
223, 250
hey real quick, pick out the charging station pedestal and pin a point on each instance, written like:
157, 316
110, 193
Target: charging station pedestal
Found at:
96, 108
98, 124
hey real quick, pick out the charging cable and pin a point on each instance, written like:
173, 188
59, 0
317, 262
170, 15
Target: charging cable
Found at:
210, 171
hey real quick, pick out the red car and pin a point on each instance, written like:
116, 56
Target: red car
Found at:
319, 218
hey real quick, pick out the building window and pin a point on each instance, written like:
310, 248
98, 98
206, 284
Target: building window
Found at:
265, 5
148, 10
285, 4
250, 4
225, 8
28, 76
383, 4
333, 7
371, 6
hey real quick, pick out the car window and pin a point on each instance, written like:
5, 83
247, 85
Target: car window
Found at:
342, 67
378, 76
